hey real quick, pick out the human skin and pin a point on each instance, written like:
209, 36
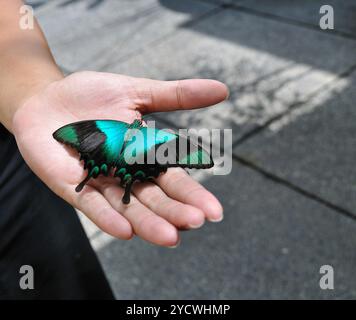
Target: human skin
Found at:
36, 99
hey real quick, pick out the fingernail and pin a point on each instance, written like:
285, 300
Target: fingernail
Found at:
195, 226
175, 246
218, 219
228, 93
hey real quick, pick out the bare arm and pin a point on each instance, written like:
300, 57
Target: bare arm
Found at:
26, 63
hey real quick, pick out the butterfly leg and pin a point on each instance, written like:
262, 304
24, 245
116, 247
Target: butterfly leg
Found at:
92, 173
81, 185
127, 194
127, 182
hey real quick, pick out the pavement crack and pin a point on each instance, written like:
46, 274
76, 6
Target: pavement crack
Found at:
286, 183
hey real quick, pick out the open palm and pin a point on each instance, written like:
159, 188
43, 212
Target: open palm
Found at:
157, 210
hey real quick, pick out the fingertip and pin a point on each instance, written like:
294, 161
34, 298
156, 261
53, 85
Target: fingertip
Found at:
158, 231
196, 218
216, 216
202, 92
176, 245
213, 210
221, 90
168, 235
207, 202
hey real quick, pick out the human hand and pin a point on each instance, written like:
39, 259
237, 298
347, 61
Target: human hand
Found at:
157, 210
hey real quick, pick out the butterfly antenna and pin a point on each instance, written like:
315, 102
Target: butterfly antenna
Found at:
138, 115
81, 185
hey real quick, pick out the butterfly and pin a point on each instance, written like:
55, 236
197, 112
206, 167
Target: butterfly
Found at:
130, 151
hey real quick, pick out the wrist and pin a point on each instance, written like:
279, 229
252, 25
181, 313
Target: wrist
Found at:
22, 88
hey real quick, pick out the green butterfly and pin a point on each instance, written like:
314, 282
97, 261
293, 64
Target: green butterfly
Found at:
131, 152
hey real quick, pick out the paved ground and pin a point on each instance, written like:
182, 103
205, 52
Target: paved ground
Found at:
290, 203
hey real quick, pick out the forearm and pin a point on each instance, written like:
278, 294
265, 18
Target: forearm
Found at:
26, 63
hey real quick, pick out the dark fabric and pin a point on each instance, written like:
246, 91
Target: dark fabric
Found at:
39, 229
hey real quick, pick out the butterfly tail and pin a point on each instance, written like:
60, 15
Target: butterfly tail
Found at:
191, 154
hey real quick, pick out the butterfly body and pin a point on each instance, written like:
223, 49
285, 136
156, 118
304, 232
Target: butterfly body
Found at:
128, 151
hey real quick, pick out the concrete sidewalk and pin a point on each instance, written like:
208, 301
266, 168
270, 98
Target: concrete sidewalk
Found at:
290, 201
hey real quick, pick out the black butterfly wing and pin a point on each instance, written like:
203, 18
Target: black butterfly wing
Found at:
99, 143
